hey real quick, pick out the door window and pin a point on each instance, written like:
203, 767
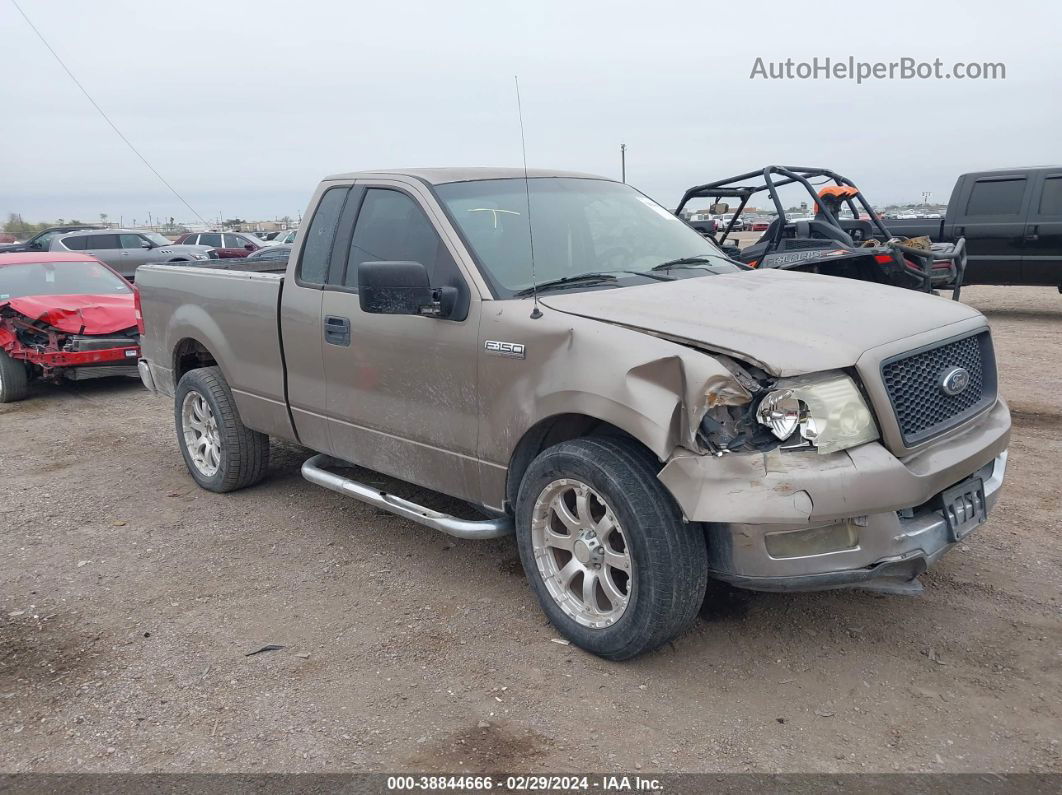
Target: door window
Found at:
75, 243
101, 242
210, 240
317, 252
1051, 198
131, 241
233, 241
392, 227
996, 197
190, 240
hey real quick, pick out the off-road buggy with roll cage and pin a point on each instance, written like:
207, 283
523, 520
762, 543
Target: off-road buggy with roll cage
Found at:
856, 247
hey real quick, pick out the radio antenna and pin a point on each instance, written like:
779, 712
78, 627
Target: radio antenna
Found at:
536, 313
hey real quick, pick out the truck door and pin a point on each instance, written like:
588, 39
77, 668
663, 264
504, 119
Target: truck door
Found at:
993, 222
300, 317
1042, 259
401, 389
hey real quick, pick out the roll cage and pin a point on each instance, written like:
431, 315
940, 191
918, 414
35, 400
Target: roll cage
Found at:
906, 266
770, 179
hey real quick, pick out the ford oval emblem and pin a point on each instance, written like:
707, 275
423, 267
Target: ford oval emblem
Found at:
955, 381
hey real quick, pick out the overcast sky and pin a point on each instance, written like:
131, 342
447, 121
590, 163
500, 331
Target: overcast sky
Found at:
244, 106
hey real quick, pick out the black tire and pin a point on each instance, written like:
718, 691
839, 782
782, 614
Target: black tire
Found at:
669, 557
14, 379
243, 456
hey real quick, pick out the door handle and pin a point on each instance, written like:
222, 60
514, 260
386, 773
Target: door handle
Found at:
960, 231
337, 330
1032, 233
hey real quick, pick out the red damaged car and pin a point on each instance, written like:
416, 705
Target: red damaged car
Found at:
63, 315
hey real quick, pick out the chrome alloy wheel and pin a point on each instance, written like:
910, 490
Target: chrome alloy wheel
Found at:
201, 436
582, 553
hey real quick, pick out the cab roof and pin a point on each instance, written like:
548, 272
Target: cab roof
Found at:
441, 176
30, 257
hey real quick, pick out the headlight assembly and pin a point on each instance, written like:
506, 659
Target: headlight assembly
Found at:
826, 409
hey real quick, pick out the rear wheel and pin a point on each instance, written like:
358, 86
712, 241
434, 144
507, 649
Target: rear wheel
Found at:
14, 379
605, 548
221, 453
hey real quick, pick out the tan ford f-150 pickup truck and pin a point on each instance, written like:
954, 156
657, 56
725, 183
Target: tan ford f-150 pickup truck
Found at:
567, 355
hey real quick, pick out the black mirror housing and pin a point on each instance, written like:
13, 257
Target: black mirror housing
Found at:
402, 288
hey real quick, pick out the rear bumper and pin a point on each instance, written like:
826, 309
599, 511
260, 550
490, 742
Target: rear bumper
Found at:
861, 517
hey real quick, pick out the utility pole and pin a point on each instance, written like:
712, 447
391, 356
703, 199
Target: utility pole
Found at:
926, 196
623, 162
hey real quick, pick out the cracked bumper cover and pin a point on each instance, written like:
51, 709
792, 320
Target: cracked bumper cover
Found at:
896, 528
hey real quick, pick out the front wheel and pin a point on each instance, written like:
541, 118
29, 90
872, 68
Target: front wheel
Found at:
221, 453
14, 379
605, 548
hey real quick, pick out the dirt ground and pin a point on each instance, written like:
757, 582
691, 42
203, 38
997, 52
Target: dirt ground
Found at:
129, 600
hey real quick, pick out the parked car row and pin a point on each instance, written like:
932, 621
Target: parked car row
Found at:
125, 250
228, 245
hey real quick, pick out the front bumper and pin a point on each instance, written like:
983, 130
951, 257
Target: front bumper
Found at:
876, 521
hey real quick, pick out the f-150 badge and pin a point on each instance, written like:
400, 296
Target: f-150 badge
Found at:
512, 350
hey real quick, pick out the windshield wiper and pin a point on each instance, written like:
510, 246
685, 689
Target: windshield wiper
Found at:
697, 259
566, 281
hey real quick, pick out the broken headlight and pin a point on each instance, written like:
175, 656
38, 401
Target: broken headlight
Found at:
827, 410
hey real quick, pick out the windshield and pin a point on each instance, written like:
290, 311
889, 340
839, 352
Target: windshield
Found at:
59, 278
579, 226
157, 239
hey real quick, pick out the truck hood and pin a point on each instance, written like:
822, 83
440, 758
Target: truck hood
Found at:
786, 323
96, 314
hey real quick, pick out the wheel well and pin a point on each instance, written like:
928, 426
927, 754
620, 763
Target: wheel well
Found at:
551, 431
189, 355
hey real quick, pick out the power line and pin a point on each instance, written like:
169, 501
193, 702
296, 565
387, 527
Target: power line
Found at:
106, 118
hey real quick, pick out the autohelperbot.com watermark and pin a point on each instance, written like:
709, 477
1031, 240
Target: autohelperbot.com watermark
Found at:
850, 68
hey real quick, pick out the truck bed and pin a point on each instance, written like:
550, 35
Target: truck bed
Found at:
233, 316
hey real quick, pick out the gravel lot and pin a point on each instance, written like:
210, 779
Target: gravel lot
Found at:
129, 599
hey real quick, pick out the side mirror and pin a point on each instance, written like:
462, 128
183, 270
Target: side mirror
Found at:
249, 247
719, 208
146, 244
402, 288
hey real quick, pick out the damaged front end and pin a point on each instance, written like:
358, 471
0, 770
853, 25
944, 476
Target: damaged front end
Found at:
793, 493
55, 354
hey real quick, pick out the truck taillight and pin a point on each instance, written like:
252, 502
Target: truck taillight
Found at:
139, 312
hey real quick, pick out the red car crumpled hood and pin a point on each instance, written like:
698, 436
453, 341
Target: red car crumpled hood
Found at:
96, 314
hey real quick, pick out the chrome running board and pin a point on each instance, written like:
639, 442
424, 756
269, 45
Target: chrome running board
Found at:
314, 471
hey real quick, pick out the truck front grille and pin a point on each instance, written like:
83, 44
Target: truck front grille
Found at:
914, 382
